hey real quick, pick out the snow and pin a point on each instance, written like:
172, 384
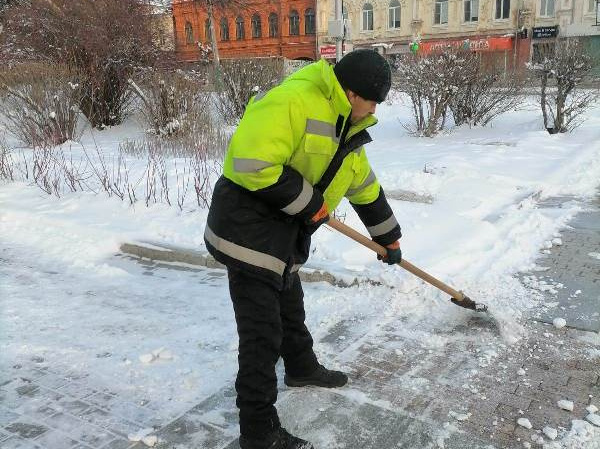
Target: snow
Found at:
582, 435
565, 405
594, 419
524, 422
169, 335
559, 323
550, 432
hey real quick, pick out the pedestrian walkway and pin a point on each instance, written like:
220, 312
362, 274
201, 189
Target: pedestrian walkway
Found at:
571, 277
463, 387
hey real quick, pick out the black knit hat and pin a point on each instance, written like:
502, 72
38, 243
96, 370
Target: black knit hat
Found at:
366, 73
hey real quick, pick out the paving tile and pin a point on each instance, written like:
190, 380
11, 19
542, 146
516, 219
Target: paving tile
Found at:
54, 439
118, 444
80, 430
52, 381
15, 442
7, 416
26, 428
109, 421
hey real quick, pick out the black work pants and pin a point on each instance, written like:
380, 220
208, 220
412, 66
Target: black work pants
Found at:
270, 324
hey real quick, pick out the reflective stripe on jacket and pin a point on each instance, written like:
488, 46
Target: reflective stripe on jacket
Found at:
284, 143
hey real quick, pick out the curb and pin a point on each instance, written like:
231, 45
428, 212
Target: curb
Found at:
177, 255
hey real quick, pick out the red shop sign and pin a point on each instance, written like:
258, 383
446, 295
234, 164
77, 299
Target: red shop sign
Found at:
473, 44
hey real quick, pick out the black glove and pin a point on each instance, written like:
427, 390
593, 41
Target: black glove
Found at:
394, 254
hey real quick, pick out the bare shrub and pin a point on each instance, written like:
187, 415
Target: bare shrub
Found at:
107, 40
431, 81
561, 70
487, 93
39, 103
7, 163
45, 170
197, 158
237, 80
172, 103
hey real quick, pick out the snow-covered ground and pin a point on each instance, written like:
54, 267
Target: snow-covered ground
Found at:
64, 296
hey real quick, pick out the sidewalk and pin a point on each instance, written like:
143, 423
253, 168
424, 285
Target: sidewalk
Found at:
461, 387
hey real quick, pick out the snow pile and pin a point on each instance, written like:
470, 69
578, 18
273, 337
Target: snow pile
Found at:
582, 435
566, 405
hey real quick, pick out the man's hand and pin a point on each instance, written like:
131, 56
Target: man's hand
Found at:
394, 254
321, 217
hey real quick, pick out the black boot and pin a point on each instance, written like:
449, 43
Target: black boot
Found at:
277, 439
322, 377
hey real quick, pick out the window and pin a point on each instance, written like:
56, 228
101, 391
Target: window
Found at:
189, 33
394, 15
273, 25
547, 8
239, 28
294, 23
591, 6
256, 27
502, 9
224, 29
367, 17
207, 30
309, 21
471, 10
441, 12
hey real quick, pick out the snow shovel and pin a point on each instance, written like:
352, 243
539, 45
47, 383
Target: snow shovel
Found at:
457, 297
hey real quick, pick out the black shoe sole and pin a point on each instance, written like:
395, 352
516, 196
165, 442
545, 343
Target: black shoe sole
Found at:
290, 382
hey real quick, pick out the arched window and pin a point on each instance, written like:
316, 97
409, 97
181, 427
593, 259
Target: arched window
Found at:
239, 28
309, 21
189, 33
273, 25
207, 36
294, 23
256, 26
394, 14
224, 29
367, 17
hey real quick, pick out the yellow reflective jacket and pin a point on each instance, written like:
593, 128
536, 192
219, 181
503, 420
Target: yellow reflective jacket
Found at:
273, 182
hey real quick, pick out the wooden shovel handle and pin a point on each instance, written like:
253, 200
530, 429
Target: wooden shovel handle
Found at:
365, 241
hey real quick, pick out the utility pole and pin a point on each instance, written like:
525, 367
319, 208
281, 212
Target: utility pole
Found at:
338, 39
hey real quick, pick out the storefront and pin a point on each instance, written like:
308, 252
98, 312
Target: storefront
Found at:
543, 42
501, 51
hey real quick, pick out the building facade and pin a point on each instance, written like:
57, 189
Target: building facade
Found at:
262, 28
493, 27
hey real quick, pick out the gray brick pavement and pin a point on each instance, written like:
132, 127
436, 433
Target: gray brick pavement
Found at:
402, 394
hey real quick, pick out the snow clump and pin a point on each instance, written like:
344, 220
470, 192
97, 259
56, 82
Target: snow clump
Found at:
550, 432
559, 323
566, 405
594, 419
524, 422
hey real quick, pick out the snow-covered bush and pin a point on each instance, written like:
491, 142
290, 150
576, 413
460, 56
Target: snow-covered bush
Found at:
6, 162
487, 93
561, 70
39, 103
195, 157
172, 103
431, 81
106, 40
237, 80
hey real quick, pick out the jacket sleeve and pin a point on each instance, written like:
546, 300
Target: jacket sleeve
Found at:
261, 148
368, 200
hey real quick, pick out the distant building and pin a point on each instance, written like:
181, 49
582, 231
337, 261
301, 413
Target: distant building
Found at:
494, 28
263, 28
